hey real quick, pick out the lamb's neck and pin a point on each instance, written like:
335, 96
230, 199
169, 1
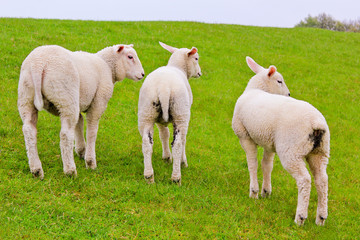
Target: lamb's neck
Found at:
256, 83
179, 64
108, 55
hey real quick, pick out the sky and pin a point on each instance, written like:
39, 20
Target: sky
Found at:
273, 13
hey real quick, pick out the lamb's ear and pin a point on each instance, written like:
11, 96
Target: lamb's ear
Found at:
272, 70
120, 48
131, 45
192, 51
167, 47
256, 68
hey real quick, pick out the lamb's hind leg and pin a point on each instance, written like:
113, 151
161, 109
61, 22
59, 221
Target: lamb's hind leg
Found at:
184, 159
164, 134
318, 165
180, 131
267, 167
296, 166
67, 143
79, 137
146, 130
29, 116
250, 149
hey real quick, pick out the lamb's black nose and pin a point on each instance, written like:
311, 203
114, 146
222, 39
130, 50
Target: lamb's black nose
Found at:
289, 94
143, 74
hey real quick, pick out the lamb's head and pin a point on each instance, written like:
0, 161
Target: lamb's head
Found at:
127, 63
185, 59
268, 80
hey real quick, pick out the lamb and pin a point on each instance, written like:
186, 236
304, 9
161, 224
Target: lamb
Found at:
293, 129
165, 97
65, 84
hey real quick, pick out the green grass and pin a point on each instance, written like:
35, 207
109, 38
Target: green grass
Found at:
114, 201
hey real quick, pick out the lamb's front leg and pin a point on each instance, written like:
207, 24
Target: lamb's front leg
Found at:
79, 137
164, 134
93, 116
91, 134
250, 149
267, 167
147, 132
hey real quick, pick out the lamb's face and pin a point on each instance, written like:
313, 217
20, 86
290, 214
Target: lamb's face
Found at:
193, 66
129, 61
268, 80
186, 59
275, 83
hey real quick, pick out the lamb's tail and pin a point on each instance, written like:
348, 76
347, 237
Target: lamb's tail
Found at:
316, 137
320, 136
37, 76
164, 98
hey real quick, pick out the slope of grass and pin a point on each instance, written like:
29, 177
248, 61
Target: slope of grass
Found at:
320, 67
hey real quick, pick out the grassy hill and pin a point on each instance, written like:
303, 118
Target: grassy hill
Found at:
319, 66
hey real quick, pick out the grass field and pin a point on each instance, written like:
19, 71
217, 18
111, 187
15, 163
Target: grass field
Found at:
114, 201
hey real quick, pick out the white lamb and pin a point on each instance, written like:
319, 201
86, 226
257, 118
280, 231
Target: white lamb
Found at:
65, 84
294, 129
165, 97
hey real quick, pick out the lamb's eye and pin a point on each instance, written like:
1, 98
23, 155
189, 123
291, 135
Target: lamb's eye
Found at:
196, 59
279, 81
130, 57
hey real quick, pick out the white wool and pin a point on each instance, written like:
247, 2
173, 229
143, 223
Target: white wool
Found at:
165, 97
294, 129
67, 83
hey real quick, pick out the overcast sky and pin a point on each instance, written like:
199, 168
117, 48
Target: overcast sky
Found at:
275, 13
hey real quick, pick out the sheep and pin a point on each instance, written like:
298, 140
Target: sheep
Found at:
265, 115
165, 97
66, 83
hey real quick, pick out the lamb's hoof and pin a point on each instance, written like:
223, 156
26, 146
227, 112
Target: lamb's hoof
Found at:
265, 193
254, 193
320, 221
150, 179
176, 180
167, 159
38, 173
300, 220
184, 164
71, 172
80, 152
90, 164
